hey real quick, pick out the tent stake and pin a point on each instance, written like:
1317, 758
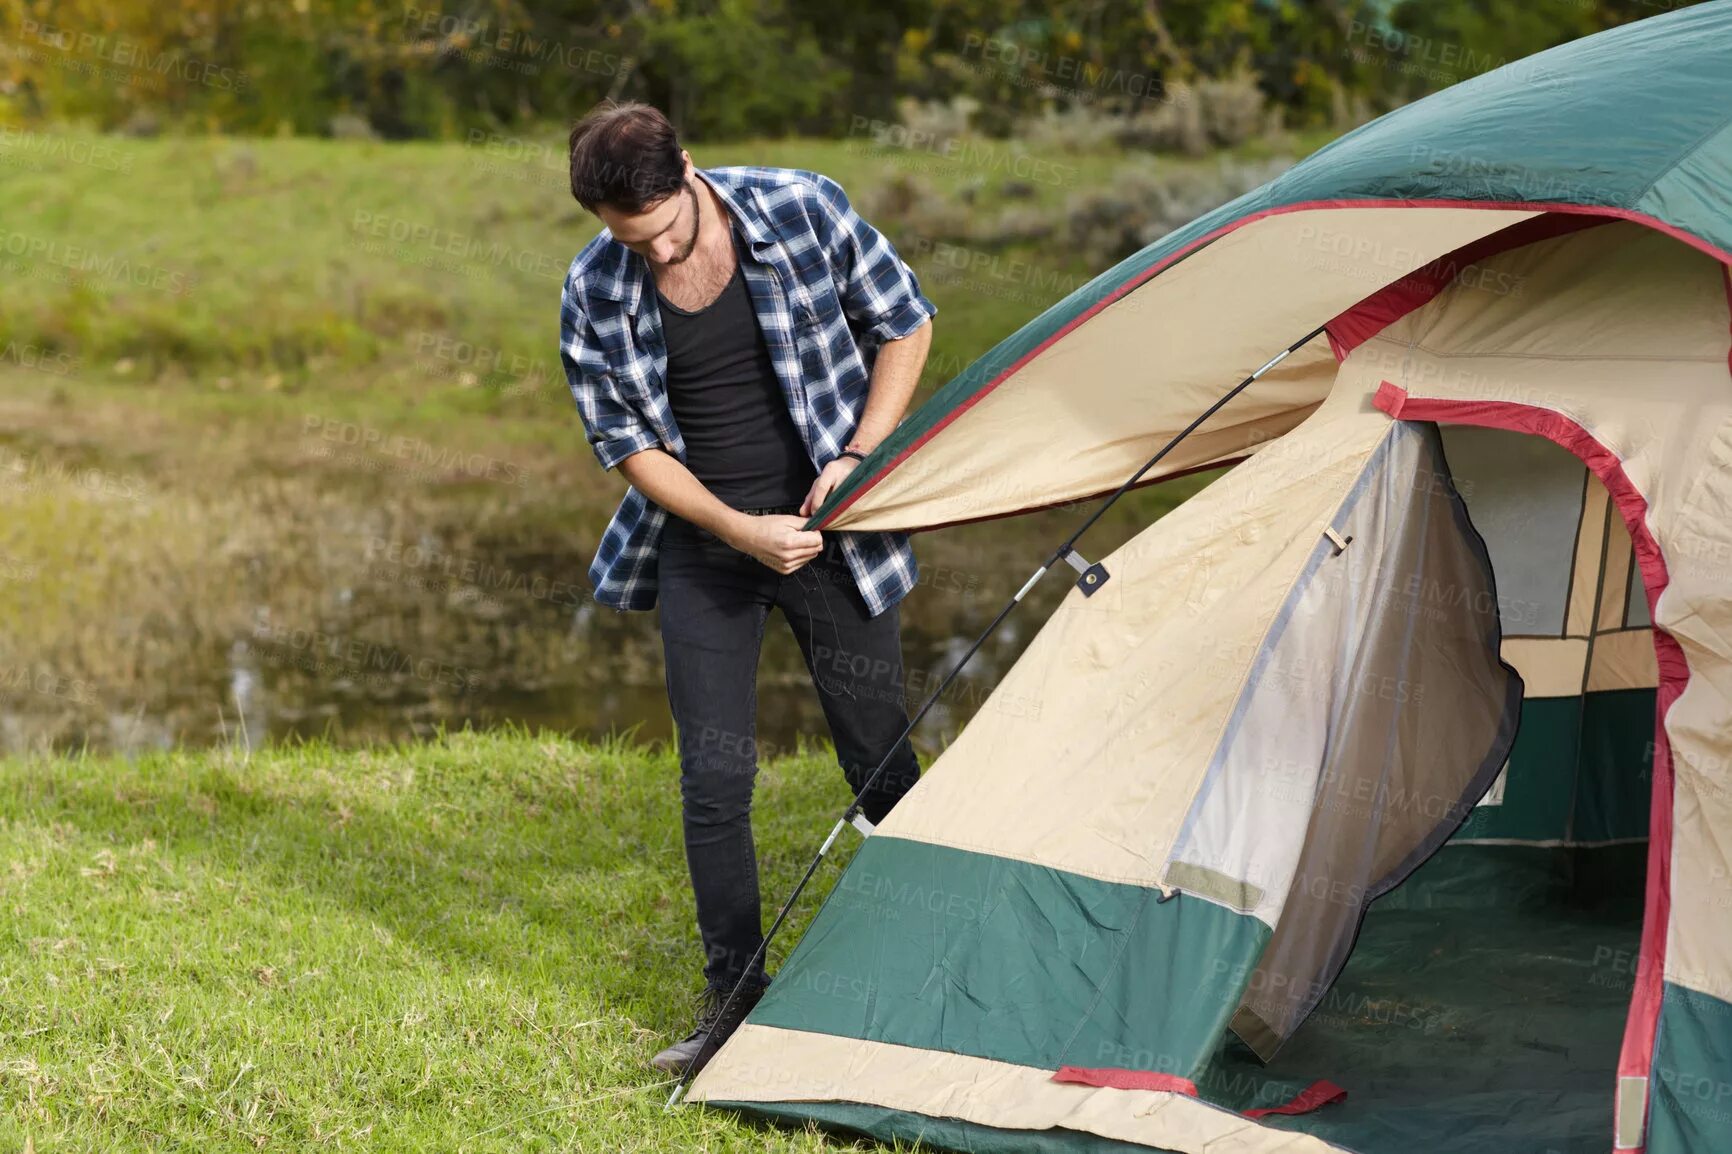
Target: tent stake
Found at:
1062, 553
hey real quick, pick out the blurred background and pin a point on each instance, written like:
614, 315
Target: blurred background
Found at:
285, 444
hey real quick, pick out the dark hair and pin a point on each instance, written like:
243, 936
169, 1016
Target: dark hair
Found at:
624, 156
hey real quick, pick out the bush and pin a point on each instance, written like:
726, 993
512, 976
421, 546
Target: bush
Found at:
1098, 226
1191, 120
1141, 204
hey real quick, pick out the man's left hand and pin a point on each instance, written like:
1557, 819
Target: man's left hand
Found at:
834, 473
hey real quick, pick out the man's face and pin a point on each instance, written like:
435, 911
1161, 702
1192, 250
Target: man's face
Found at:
664, 233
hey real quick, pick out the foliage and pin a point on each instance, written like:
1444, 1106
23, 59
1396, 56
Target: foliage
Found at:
734, 68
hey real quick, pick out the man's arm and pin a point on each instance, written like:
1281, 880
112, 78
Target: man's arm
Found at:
881, 295
777, 541
621, 438
895, 373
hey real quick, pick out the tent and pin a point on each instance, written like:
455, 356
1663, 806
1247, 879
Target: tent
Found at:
1397, 762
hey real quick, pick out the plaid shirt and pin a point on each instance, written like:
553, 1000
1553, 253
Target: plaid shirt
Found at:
828, 290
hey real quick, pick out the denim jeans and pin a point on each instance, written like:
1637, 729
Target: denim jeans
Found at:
714, 602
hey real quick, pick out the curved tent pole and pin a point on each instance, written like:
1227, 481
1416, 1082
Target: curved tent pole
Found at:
1092, 577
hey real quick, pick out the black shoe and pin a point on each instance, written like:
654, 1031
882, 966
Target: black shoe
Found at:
698, 1047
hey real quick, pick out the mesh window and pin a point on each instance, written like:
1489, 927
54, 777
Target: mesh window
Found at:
1525, 495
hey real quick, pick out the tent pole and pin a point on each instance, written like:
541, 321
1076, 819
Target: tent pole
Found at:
1058, 556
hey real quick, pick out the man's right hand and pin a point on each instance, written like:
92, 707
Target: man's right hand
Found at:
778, 541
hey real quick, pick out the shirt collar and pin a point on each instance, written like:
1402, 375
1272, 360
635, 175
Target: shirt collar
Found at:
630, 271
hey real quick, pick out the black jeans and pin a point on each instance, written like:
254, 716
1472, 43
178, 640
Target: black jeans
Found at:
714, 603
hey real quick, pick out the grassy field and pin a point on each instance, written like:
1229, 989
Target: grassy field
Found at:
244, 281
468, 945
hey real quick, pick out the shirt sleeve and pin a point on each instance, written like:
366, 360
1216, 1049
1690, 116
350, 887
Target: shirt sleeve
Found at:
613, 425
880, 293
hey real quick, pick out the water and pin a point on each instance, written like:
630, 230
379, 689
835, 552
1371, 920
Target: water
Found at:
433, 625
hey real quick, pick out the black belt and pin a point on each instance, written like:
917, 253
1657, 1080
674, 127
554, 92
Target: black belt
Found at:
771, 509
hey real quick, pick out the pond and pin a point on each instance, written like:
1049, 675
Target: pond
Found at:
295, 607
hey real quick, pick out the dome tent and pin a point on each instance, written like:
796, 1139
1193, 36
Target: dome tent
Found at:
1341, 779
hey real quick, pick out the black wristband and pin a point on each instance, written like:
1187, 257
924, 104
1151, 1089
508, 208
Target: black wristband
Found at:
855, 453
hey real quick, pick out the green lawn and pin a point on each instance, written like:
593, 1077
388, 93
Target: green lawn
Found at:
206, 306
469, 945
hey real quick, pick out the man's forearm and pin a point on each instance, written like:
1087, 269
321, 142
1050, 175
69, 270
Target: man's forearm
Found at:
660, 476
895, 374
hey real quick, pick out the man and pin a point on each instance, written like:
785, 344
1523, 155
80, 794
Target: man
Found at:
737, 340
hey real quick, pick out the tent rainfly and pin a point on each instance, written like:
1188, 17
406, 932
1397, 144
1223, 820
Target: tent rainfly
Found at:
1381, 799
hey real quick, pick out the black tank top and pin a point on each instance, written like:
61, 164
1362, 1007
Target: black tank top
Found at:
740, 438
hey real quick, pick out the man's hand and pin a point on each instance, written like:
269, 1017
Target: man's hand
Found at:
778, 541
826, 483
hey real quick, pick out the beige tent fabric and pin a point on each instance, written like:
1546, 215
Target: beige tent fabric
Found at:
1627, 333
1088, 411
1550, 666
768, 1064
1590, 559
1088, 754
1615, 574
1624, 660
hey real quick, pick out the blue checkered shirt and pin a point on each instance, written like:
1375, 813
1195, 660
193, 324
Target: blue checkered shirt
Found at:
828, 290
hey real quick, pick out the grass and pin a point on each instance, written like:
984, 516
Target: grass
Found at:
239, 316
415, 283
472, 944
286, 265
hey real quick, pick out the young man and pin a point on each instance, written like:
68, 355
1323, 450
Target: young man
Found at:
737, 339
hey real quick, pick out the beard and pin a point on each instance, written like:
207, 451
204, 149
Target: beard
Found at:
691, 242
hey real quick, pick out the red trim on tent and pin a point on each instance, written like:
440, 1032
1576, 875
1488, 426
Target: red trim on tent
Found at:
1300, 206
1115, 1078
1394, 301
1318, 1094
1637, 1055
